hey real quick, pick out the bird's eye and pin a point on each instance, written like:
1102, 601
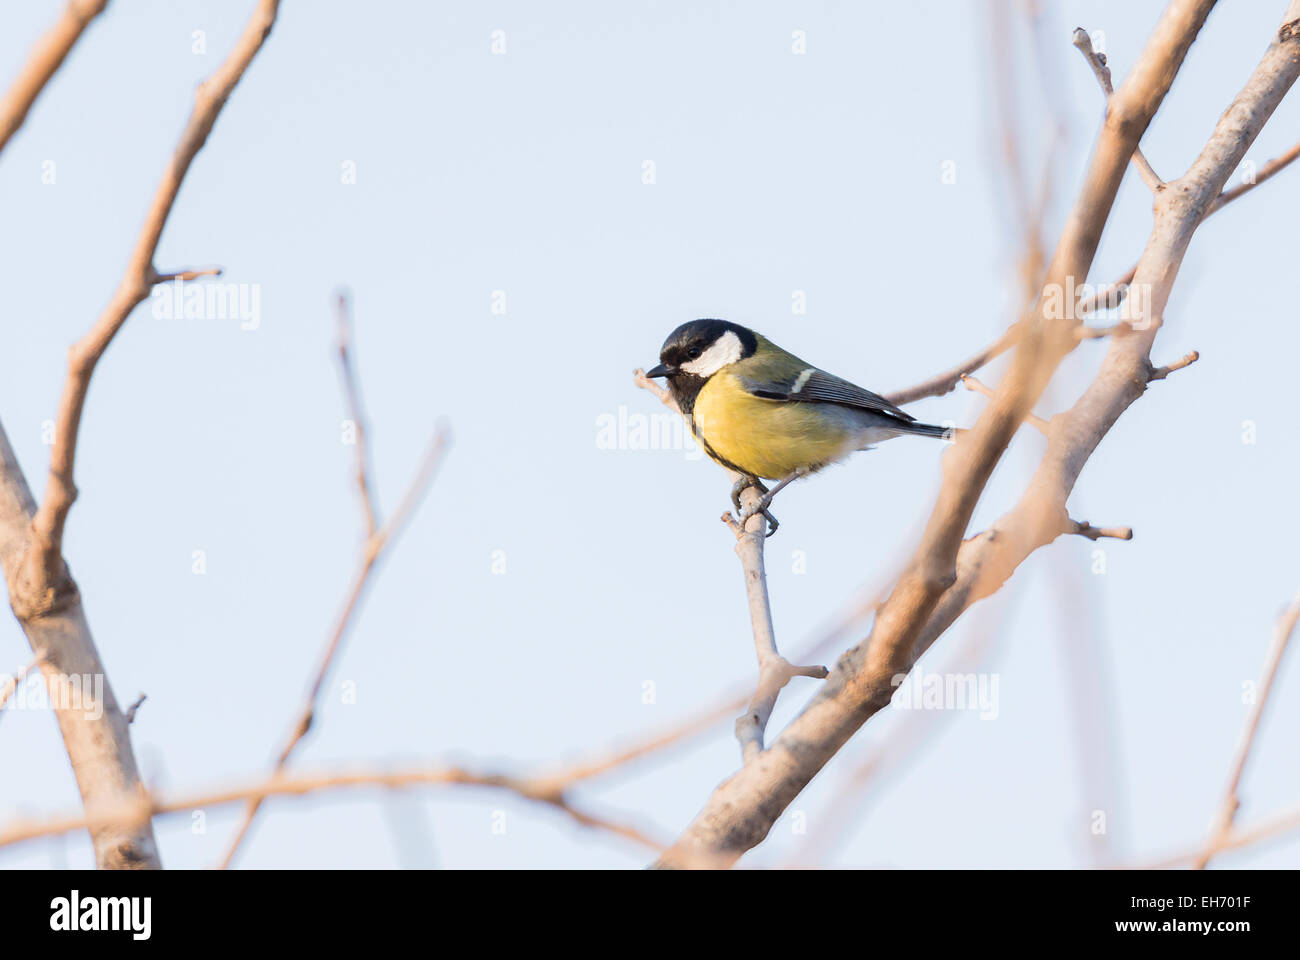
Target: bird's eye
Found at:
693, 353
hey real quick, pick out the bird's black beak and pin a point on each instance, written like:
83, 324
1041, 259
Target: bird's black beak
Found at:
660, 371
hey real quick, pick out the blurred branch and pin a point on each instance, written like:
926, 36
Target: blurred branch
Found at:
1109, 295
187, 275
12, 683
947, 381
377, 539
1222, 825
139, 812
45, 59
1276, 826
975, 385
135, 705
903, 742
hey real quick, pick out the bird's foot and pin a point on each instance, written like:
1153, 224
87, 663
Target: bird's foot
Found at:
761, 506
741, 485
743, 512
765, 500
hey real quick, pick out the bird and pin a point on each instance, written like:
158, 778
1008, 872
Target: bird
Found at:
763, 413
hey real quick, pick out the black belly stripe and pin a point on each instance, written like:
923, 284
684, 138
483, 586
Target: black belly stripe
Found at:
720, 459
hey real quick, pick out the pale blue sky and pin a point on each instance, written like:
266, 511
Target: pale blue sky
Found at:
523, 173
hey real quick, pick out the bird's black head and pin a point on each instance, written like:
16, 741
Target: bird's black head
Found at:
696, 351
703, 347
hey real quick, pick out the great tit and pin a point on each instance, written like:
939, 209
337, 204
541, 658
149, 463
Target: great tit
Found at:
764, 413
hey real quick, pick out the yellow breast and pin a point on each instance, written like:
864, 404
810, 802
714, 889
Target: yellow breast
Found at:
765, 438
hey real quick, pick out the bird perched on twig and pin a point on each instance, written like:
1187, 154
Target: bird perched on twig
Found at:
764, 413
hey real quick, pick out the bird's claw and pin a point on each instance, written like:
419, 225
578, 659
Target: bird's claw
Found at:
740, 486
760, 507
765, 501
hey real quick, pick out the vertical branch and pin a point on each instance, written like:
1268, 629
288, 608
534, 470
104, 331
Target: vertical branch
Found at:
774, 670
1231, 802
377, 539
42, 593
134, 287
95, 733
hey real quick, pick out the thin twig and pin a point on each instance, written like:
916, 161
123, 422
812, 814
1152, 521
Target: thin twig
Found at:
1263, 173
187, 275
1098, 63
12, 684
352, 391
42, 593
774, 670
663, 396
377, 539
1109, 296
1278, 825
974, 384
135, 705
1159, 373
146, 807
60, 490
947, 381
1231, 801
1083, 528
831, 638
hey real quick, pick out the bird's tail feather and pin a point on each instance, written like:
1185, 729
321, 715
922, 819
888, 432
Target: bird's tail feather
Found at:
927, 430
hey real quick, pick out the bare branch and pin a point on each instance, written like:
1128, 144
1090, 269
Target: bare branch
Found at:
42, 593
1276, 826
353, 393
44, 61
1222, 825
140, 811
975, 385
1263, 173
947, 381
139, 278
377, 539
645, 383
774, 670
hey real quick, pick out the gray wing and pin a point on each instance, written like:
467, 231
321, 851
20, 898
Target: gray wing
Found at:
818, 386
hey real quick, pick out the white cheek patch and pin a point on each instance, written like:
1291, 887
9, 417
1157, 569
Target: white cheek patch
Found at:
726, 349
